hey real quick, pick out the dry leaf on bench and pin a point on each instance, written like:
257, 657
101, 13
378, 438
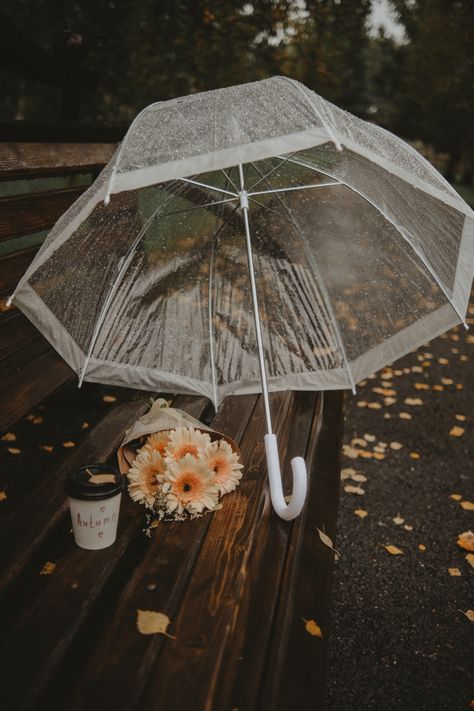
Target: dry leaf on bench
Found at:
393, 550
313, 628
150, 622
48, 568
466, 541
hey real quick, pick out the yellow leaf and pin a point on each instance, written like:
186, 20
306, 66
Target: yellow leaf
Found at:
421, 546
13, 450
361, 513
467, 505
9, 437
69, 444
48, 568
456, 497
470, 559
466, 541
354, 490
109, 398
395, 445
3, 495
313, 628
454, 572
456, 431
150, 622
393, 550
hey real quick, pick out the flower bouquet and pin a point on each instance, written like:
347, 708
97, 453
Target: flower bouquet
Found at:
177, 467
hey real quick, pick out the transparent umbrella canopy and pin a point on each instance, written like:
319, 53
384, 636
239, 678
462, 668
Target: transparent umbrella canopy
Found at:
253, 238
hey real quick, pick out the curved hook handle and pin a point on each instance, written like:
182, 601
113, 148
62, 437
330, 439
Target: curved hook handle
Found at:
300, 481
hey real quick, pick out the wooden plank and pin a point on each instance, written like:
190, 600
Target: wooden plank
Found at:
28, 386
298, 680
40, 633
34, 159
26, 214
16, 332
12, 268
116, 653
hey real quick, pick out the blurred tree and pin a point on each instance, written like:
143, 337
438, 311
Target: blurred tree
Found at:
435, 93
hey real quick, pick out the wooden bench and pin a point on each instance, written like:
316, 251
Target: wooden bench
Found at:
237, 585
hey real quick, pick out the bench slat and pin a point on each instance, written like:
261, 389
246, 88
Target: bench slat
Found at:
34, 159
25, 214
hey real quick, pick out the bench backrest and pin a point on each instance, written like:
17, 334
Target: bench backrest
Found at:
39, 180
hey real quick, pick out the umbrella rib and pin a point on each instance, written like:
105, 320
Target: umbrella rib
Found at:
209, 187
417, 251
271, 191
323, 288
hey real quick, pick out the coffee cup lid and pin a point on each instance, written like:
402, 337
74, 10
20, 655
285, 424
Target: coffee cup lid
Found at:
94, 482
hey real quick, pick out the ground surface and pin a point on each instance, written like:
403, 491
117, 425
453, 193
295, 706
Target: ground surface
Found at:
399, 639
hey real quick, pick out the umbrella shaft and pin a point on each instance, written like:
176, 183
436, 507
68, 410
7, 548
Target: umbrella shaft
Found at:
261, 358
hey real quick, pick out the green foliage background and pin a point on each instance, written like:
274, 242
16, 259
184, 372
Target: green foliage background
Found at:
142, 51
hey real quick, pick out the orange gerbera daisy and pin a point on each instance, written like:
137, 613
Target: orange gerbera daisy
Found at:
144, 476
188, 485
184, 441
224, 463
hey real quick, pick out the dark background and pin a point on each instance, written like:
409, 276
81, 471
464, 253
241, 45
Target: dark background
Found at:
101, 62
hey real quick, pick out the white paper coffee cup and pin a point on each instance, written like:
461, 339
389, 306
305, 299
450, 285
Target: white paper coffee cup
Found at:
94, 494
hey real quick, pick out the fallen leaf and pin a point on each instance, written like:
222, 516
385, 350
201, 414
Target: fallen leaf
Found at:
48, 568
393, 550
395, 445
456, 497
68, 445
109, 398
421, 546
466, 541
13, 450
467, 505
398, 520
150, 622
470, 559
456, 431
3, 495
454, 572
361, 513
354, 490
327, 541
9, 437
469, 614
413, 401
313, 628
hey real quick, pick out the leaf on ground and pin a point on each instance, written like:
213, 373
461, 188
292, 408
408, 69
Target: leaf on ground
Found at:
13, 450
150, 622
109, 398
46, 447
398, 520
69, 444
48, 568
9, 437
467, 505
469, 614
456, 431
456, 497
470, 559
313, 628
327, 541
3, 495
454, 572
354, 490
393, 550
466, 541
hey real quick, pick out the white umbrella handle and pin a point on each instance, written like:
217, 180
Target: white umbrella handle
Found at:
300, 481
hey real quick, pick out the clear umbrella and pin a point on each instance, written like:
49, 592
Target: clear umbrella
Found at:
253, 238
